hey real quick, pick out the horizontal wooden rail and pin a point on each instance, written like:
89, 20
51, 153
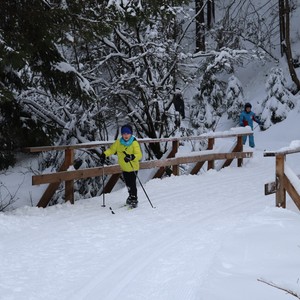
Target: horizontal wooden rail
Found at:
199, 158
90, 145
115, 169
284, 151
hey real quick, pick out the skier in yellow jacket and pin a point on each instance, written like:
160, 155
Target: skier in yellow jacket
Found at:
129, 154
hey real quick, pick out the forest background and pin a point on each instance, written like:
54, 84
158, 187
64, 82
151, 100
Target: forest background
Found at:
75, 71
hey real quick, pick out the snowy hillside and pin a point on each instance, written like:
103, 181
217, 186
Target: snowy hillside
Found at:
211, 237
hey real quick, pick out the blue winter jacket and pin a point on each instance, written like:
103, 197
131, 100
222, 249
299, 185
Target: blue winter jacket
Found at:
247, 118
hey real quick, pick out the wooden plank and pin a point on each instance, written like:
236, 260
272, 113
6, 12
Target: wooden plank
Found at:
210, 163
115, 169
48, 194
64, 147
269, 154
52, 188
292, 191
93, 145
160, 172
196, 158
175, 168
282, 152
197, 167
111, 183
280, 192
76, 174
270, 187
238, 148
69, 191
69, 184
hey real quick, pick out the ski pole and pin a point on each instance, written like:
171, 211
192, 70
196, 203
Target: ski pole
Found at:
103, 192
103, 186
142, 185
135, 173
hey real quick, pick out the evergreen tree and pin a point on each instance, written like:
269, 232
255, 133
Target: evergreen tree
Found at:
279, 100
234, 98
210, 103
36, 78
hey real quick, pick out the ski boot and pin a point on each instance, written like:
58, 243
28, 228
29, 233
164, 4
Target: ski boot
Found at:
132, 201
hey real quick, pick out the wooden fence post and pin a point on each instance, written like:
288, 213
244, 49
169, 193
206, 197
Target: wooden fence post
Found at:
175, 146
69, 185
109, 185
280, 192
210, 163
52, 187
239, 148
210, 146
160, 172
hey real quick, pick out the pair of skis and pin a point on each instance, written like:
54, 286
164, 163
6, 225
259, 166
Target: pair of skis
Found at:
129, 207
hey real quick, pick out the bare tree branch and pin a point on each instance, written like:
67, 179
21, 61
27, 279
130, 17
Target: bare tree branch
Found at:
279, 288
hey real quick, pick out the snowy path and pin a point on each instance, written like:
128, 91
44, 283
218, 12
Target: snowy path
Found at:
85, 252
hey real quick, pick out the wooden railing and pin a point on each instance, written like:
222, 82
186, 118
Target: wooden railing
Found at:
198, 158
285, 179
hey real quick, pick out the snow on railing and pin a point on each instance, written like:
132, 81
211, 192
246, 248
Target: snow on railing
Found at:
285, 179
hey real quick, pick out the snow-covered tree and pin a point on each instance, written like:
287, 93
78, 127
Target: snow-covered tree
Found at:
234, 98
210, 103
247, 24
279, 100
138, 67
36, 79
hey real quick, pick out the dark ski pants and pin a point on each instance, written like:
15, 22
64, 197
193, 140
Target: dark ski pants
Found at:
130, 181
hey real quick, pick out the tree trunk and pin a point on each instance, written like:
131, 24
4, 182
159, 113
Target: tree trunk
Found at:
210, 13
282, 26
200, 22
288, 50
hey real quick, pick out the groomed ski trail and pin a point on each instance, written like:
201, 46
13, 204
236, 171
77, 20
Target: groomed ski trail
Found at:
152, 249
195, 240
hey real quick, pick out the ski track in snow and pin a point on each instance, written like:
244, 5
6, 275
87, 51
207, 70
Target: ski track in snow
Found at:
133, 264
113, 254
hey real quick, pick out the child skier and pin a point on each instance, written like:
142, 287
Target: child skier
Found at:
129, 154
246, 119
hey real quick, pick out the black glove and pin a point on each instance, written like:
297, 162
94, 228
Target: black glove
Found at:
102, 158
168, 171
261, 126
129, 157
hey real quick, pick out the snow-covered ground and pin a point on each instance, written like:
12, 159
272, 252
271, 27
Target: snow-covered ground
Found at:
212, 236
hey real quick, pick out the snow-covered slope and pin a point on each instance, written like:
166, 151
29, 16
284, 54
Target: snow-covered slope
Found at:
211, 236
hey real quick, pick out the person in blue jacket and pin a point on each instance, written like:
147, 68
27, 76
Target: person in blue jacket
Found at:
246, 119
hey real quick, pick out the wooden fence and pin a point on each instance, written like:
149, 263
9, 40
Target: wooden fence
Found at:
285, 179
68, 176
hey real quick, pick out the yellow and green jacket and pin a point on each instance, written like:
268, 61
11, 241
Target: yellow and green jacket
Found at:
130, 147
